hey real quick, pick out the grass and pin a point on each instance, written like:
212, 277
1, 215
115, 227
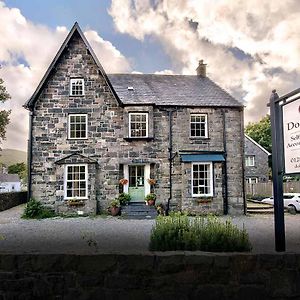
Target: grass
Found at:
179, 232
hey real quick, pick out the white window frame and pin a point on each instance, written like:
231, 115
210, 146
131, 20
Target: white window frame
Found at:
69, 127
147, 124
251, 180
66, 180
211, 179
73, 80
249, 160
206, 125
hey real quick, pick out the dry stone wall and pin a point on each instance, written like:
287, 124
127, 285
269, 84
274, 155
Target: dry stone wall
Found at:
181, 275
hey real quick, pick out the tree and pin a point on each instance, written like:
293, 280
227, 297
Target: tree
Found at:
4, 114
18, 168
261, 132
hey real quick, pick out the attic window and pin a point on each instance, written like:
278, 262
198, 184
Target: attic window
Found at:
130, 88
76, 87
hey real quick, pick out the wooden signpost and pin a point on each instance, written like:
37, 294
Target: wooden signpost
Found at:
285, 127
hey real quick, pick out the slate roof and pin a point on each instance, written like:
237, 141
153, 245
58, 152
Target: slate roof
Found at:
179, 90
257, 144
9, 178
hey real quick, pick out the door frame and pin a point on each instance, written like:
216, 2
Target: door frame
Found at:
146, 176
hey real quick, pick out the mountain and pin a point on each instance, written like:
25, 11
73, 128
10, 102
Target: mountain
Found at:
12, 156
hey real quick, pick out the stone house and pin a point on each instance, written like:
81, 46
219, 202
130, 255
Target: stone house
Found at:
89, 130
256, 161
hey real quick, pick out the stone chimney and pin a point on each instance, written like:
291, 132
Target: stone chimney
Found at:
201, 69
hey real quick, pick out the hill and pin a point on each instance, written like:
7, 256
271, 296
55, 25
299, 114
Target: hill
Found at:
12, 156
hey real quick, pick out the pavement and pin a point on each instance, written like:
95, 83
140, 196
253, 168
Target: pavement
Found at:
92, 235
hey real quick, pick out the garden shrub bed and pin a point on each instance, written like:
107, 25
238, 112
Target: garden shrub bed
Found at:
179, 232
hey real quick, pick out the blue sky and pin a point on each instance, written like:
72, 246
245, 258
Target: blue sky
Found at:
250, 47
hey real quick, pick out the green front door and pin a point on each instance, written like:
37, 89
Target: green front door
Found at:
136, 187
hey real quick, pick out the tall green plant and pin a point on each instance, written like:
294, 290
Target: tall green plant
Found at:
178, 232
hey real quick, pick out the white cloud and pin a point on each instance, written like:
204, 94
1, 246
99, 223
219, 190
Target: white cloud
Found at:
250, 47
164, 72
26, 51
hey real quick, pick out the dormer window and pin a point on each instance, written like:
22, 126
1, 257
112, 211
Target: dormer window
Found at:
138, 125
76, 87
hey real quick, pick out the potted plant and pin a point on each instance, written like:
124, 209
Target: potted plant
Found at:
114, 207
124, 198
150, 199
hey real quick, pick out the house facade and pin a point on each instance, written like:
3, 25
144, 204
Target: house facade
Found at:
89, 130
10, 183
256, 161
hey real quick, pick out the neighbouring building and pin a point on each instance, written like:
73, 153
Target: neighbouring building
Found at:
256, 161
10, 183
90, 129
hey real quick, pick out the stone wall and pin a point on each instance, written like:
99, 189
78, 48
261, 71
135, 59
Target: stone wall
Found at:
109, 145
184, 275
9, 200
261, 167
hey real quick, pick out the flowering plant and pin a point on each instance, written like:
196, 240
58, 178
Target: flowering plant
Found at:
151, 181
123, 181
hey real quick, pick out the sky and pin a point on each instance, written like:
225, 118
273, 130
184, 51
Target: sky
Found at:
250, 47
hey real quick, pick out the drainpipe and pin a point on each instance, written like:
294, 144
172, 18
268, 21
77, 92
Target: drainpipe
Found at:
225, 202
243, 161
29, 156
170, 158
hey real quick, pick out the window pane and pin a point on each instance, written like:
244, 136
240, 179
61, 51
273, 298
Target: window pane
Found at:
201, 179
198, 125
138, 125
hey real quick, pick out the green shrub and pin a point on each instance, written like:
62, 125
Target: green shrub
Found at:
35, 210
179, 232
124, 198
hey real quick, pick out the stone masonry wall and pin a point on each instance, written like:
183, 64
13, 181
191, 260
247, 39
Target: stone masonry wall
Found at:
109, 145
184, 275
261, 168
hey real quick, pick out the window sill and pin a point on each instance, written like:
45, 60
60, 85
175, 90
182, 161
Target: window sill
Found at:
131, 139
199, 138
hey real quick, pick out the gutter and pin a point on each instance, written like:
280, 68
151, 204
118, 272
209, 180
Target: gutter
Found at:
225, 194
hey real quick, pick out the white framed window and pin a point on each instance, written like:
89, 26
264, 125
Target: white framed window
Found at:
250, 160
202, 179
77, 126
76, 181
198, 125
138, 124
76, 87
251, 180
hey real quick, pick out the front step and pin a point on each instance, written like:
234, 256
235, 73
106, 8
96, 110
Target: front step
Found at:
138, 211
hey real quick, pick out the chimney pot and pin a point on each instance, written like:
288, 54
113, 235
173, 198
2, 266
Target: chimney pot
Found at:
201, 69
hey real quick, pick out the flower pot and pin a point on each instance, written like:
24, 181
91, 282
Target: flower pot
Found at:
114, 211
151, 202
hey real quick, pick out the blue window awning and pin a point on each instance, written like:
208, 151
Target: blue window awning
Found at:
202, 157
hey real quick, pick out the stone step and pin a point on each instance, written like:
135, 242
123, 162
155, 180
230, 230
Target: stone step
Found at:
138, 211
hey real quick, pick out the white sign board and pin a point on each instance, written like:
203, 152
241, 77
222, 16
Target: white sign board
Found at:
291, 136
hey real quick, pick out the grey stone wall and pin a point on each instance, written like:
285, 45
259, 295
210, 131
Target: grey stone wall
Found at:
108, 143
184, 275
261, 168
